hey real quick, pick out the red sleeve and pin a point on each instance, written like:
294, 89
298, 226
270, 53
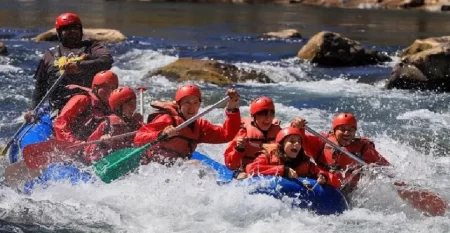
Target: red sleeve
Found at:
371, 155
233, 158
216, 134
147, 134
91, 152
261, 166
312, 145
69, 114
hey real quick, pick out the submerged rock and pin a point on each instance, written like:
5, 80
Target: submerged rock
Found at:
3, 49
97, 34
332, 49
283, 34
209, 71
425, 70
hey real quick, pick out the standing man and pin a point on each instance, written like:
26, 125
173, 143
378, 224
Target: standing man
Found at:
79, 59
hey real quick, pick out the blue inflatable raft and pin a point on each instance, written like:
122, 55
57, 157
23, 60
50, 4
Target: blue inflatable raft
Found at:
35, 132
305, 192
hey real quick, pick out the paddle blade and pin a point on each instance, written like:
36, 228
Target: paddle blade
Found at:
41, 154
427, 202
119, 163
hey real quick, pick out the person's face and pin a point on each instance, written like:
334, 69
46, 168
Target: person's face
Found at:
71, 34
292, 145
345, 134
189, 106
263, 119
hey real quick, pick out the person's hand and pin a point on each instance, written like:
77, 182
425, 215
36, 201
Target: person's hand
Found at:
105, 136
170, 131
234, 98
240, 142
71, 68
299, 123
321, 179
29, 116
292, 173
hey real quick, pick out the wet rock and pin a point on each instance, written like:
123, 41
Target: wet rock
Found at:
3, 49
420, 45
97, 34
209, 71
283, 34
332, 49
426, 70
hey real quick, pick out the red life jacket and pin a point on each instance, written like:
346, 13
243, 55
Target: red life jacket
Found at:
331, 158
89, 120
256, 137
180, 146
302, 164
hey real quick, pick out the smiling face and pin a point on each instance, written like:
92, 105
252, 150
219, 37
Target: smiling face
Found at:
263, 119
292, 145
189, 106
345, 134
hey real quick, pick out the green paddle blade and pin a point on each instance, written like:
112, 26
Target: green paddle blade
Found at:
119, 163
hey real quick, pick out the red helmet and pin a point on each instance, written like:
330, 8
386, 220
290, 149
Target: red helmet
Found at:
261, 104
105, 77
187, 90
287, 132
67, 19
120, 96
345, 119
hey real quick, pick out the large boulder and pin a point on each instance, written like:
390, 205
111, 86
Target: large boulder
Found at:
332, 49
420, 45
3, 49
97, 34
209, 71
426, 70
283, 34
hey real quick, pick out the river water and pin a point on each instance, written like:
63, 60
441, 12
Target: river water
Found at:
411, 129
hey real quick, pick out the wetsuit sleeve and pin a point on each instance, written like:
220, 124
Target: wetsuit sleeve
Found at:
41, 85
99, 59
151, 131
261, 166
68, 117
233, 158
216, 134
371, 155
312, 145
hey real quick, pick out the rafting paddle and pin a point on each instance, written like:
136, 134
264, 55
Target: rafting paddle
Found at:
427, 202
49, 92
123, 161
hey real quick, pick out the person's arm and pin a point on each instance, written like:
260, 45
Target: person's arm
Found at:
99, 59
41, 84
69, 114
262, 166
217, 134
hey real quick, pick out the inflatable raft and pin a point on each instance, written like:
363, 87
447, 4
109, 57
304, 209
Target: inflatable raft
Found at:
305, 192
35, 132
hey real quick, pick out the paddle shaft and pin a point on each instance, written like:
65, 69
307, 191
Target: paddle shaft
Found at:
337, 147
102, 140
49, 92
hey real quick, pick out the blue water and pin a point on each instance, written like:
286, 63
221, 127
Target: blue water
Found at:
410, 128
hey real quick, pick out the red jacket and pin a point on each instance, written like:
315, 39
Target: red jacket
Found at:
269, 162
181, 146
331, 159
238, 159
112, 125
80, 117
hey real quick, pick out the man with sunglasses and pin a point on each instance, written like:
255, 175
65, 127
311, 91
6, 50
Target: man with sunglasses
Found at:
261, 128
78, 59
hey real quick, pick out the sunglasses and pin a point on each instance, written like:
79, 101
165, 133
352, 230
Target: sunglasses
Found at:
266, 113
